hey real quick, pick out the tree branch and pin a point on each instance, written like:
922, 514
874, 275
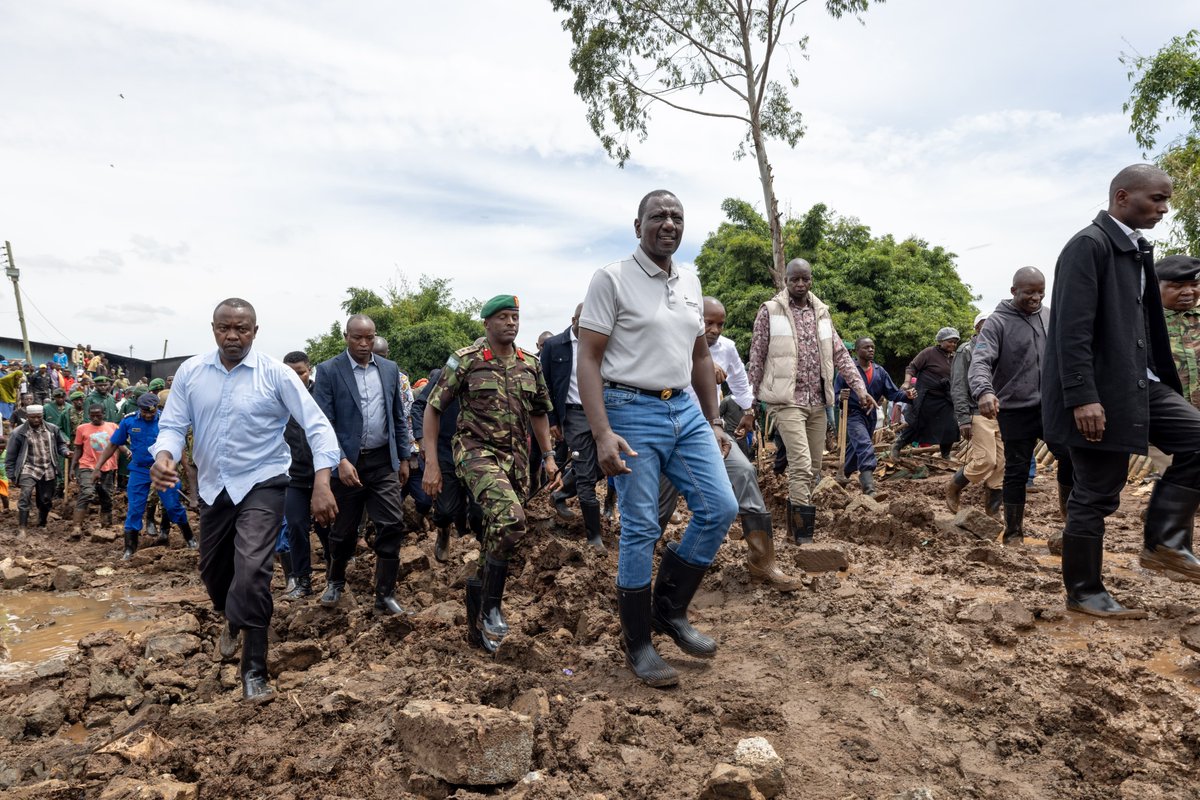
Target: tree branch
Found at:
680, 32
659, 97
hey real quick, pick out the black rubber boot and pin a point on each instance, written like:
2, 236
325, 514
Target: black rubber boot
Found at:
149, 525
189, 538
867, 481
441, 548
227, 644
801, 522
164, 530
610, 504
492, 625
285, 563
1168, 532
474, 599
1014, 524
22, 519
958, 481
43, 516
131, 544
995, 499
335, 583
674, 589
1082, 562
640, 656
561, 508
302, 589
591, 524
106, 518
386, 571
1064, 494
255, 688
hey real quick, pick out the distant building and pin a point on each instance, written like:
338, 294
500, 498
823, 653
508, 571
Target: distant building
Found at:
133, 368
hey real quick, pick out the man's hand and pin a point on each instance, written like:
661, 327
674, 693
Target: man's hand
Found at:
721, 376
163, 474
965, 431
911, 391
866, 402
723, 440
348, 474
404, 471
745, 425
1089, 418
989, 405
431, 483
323, 507
553, 474
844, 395
609, 448
555, 433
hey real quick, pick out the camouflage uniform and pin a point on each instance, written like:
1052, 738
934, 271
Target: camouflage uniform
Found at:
497, 395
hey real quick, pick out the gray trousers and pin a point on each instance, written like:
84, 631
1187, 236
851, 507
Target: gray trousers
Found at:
578, 434
743, 477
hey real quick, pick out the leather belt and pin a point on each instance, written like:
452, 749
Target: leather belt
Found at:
661, 394
574, 407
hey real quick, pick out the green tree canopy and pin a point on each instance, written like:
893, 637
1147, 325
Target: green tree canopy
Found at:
898, 293
423, 326
1166, 87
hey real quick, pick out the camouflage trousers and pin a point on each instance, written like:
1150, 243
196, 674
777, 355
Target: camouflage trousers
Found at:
496, 481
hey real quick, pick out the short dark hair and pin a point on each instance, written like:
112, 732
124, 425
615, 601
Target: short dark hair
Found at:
236, 302
650, 196
1135, 176
296, 357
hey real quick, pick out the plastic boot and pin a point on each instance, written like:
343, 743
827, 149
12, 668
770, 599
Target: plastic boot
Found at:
77, 522
610, 504
255, 688
150, 526
591, 524
386, 571
995, 499
1082, 561
640, 656
131, 544
106, 518
302, 589
674, 589
958, 481
441, 548
285, 563
760, 560
474, 598
1168, 532
189, 538
164, 531
867, 481
1014, 524
42, 517
22, 521
804, 522
335, 583
1064, 494
227, 644
561, 508
492, 625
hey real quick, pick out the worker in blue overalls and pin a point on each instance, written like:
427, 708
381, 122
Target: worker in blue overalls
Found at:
140, 430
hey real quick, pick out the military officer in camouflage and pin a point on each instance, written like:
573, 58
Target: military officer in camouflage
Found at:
501, 390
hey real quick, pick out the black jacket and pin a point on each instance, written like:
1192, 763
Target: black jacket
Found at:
1006, 358
301, 472
557, 364
18, 450
1104, 332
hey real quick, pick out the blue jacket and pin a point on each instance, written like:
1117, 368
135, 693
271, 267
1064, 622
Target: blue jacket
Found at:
557, 365
336, 392
140, 435
881, 386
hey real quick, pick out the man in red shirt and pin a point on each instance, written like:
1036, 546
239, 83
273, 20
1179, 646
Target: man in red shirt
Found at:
95, 480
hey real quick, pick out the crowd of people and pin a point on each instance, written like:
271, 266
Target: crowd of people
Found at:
643, 391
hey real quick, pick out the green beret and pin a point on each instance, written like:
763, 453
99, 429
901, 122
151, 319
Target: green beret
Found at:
156, 384
100, 379
75, 395
138, 391
500, 302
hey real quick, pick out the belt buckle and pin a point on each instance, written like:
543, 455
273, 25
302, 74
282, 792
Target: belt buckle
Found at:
665, 394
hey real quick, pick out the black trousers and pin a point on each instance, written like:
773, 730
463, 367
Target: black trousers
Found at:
237, 547
1100, 474
297, 512
34, 490
380, 496
578, 436
454, 503
1020, 430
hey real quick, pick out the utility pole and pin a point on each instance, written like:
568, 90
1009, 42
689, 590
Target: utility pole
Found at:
164, 348
131, 351
14, 273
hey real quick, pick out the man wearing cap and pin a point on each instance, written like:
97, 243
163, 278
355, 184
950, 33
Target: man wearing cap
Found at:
927, 380
362, 396
860, 424
794, 353
35, 450
238, 401
1006, 381
96, 477
103, 397
501, 393
40, 385
1109, 388
985, 450
1179, 287
641, 343
139, 431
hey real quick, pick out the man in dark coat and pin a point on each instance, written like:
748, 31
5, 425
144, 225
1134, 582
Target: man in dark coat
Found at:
1110, 387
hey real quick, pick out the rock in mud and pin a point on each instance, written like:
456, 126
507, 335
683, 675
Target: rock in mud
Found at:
533, 703
865, 504
728, 782
1014, 614
1189, 637
112, 684
466, 744
757, 755
43, 712
166, 646
140, 745
293, 656
162, 787
1054, 543
13, 577
978, 524
412, 559
976, 613
830, 494
67, 578
103, 535
820, 559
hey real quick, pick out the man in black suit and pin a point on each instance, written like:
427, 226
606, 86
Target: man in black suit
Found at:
361, 395
569, 423
1110, 386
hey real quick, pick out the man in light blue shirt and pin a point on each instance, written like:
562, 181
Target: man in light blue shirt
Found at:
237, 402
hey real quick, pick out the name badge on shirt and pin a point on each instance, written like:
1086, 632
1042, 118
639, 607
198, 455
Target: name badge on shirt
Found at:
824, 329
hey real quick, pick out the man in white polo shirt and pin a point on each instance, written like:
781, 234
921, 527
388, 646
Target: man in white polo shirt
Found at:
641, 343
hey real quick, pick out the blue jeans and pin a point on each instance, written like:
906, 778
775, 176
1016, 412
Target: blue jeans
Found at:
671, 437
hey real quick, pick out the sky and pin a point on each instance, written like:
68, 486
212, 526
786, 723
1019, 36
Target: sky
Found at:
160, 155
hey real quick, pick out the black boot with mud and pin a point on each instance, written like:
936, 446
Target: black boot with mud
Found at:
640, 656
441, 548
1168, 532
1014, 524
386, 572
255, 687
474, 600
335, 583
131, 544
492, 624
674, 589
954, 486
1082, 562
591, 524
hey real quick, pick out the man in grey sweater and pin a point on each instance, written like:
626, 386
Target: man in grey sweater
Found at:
1006, 381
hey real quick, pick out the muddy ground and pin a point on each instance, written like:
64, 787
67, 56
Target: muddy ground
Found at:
937, 665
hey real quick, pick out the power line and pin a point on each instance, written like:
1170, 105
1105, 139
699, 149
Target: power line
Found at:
25, 294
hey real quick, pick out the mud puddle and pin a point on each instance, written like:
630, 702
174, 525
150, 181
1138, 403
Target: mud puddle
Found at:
36, 626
